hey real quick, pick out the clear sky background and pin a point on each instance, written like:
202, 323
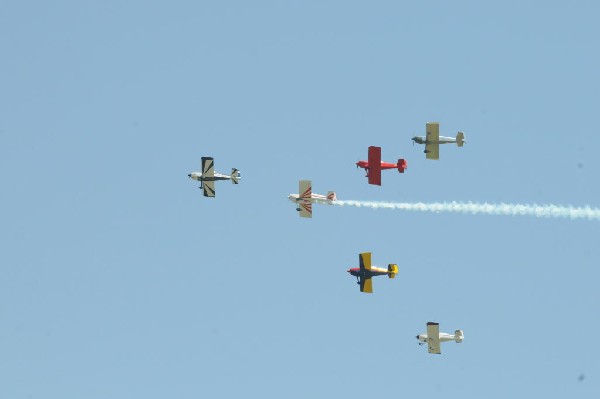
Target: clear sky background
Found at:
118, 279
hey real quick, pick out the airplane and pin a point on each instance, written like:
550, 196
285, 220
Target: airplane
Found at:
434, 337
305, 198
208, 176
433, 140
364, 273
374, 165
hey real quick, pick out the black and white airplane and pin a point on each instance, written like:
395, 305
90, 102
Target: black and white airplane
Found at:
208, 176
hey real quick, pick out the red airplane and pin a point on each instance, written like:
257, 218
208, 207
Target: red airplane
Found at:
374, 165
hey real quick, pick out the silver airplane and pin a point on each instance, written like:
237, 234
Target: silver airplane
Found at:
208, 176
434, 337
432, 140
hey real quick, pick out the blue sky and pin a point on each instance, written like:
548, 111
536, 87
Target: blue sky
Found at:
120, 280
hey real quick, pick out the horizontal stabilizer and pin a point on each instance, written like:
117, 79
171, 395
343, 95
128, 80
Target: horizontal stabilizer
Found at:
235, 176
459, 336
460, 139
402, 165
392, 270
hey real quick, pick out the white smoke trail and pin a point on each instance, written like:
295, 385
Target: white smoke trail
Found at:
541, 211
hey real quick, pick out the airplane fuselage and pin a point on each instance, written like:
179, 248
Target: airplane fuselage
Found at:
443, 337
384, 165
314, 198
375, 271
217, 176
366, 165
442, 140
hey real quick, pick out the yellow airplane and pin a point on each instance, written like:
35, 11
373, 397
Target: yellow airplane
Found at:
364, 273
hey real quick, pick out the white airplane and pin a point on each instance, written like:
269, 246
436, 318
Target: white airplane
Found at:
434, 337
208, 176
432, 140
305, 198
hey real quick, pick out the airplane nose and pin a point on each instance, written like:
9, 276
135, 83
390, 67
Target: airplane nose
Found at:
190, 175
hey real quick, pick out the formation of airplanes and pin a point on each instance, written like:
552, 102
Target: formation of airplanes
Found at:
373, 166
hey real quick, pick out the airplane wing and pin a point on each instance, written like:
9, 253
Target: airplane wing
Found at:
432, 150
305, 210
433, 338
209, 188
365, 261
375, 165
305, 189
432, 145
208, 167
305, 193
366, 285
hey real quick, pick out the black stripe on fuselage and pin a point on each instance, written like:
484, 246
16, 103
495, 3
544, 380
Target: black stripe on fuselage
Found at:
214, 178
367, 273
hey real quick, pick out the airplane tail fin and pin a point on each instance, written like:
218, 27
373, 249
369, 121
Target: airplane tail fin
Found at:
402, 165
392, 270
459, 336
331, 196
235, 176
460, 139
